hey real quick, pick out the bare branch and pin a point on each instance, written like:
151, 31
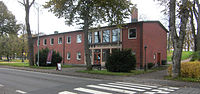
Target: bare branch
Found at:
32, 3
23, 3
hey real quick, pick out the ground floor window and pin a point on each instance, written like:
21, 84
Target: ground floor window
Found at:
105, 53
68, 56
78, 56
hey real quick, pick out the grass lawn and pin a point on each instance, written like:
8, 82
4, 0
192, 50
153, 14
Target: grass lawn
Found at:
183, 79
185, 55
25, 64
133, 72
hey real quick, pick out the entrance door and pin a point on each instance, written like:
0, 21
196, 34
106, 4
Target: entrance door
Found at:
97, 57
159, 59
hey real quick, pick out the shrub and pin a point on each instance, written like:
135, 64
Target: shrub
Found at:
196, 56
188, 69
121, 61
56, 58
150, 65
164, 62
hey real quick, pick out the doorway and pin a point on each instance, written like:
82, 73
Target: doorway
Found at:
97, 57
159, 59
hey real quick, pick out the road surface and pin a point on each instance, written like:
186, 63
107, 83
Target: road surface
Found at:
14, 81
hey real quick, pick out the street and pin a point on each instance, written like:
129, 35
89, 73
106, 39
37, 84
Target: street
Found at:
14, 81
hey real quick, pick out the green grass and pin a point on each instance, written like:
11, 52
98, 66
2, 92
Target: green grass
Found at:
183, 79
185, 55
133, 72
16, 64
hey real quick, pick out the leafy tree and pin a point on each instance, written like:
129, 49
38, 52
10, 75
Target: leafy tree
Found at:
27, 5
7, 21
88, 13
177, 39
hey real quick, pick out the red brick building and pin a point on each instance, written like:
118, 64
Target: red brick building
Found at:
135, 36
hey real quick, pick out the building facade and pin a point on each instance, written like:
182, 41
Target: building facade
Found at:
104, 40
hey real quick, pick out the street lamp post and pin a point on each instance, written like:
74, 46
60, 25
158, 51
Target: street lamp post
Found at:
145, 69
38, 38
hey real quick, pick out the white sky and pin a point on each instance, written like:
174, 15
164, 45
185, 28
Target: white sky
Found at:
147, 9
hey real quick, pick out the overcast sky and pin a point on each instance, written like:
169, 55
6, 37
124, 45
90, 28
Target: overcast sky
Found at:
148, 10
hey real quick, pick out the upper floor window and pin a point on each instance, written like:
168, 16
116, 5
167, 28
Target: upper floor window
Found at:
115, 35
78, 39
60, 40
44, 41
78, 56
89, 37
52, 41
68, 56
132, 33
97, 37
106, 36
68, 39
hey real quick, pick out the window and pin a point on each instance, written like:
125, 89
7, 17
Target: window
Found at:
89, 37
52, 41
60, 40
78, 56
78, 38
115, 35
97, 37
68, 39
106, 36
44, 41
68, 56
38, 43
105, 54
132, 34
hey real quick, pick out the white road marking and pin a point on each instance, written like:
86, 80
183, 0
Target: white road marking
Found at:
66, 92
91, 91
160, 91
131, 86
1, 85
19, 91
166, 89
149, 92
122, 87
138, 84
173, 88
112, 89
52, 74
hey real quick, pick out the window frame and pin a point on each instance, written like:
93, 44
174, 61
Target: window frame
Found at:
135, 33
77, 55
78, 37
68, 56
98, 36
118, 35
58, 40
104, 35
44, 42
51, 41
68, 39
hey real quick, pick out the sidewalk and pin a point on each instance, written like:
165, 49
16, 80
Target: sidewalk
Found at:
155, 78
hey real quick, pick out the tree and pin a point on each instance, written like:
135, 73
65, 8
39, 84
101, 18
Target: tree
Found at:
196, 11
89, 12
27, 5
8, 23
177, 39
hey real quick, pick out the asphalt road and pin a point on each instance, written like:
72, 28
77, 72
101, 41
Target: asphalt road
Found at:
14, 81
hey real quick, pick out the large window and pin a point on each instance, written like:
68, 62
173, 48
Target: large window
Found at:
68, 39
78, 40
52, 41
60, 40
106, 36
105, 54
115, 35
68, 56
89, 37
97, 37
44, 41
78, 57
132, 33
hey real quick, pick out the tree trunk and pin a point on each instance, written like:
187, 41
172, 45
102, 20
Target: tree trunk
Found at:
30, 41
197, 15
178, 40
193, 29
86, 29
